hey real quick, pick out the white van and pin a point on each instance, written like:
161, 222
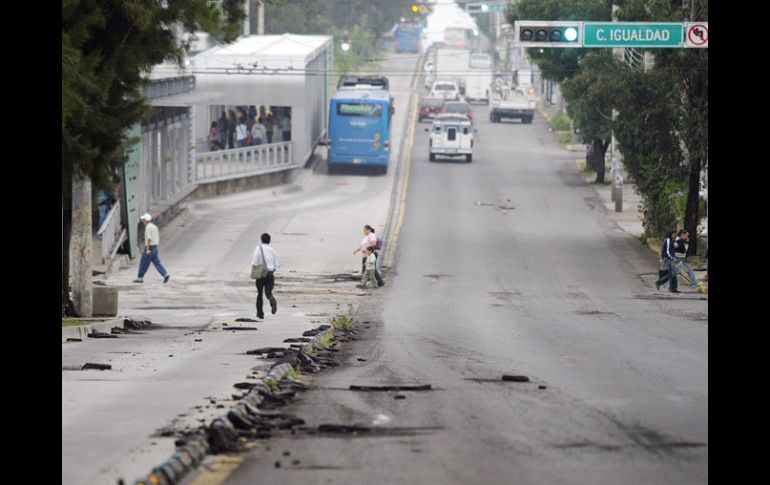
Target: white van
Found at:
451, 136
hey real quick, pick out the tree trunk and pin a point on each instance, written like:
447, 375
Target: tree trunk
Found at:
598, 153
692, 210
68, 309
80, 246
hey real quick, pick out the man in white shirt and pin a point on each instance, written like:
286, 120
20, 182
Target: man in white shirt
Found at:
150, 254
266, 283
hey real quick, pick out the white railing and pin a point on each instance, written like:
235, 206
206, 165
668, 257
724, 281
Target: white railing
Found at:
239, 162
111, 232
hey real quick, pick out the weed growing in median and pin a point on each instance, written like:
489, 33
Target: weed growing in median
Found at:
294, 373
325, 341
271, 383
343, 320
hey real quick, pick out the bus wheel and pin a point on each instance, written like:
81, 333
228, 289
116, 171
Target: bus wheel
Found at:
468, 158
432, 157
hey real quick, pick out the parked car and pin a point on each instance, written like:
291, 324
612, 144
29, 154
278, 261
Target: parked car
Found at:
446, 90
430, 107
451, 136
458, 107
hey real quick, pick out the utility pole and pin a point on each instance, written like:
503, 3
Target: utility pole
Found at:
81, 246
247, 19
261, 18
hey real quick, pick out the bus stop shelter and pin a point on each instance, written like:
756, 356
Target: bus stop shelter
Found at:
286, 70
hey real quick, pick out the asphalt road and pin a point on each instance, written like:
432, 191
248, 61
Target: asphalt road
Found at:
508, 265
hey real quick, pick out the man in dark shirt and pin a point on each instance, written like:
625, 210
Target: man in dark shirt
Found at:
667, 254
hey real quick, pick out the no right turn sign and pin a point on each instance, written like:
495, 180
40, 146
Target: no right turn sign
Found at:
696, 34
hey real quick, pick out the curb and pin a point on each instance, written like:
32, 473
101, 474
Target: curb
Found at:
223, 432
82, 331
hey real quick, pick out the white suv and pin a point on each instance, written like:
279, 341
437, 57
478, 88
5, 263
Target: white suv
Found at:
451, 136
446, 90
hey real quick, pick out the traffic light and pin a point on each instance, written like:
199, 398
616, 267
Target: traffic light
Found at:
534, 33
415, 8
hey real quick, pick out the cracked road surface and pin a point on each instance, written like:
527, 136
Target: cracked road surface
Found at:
618, 378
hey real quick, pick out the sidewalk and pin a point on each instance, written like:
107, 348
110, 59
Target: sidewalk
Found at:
630, 219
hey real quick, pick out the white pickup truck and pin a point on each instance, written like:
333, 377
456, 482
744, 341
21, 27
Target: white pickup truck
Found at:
515, 103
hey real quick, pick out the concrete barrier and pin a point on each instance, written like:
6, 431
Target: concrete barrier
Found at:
105, 301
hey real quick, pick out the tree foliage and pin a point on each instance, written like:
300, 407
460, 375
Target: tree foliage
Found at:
662, 126
107, 47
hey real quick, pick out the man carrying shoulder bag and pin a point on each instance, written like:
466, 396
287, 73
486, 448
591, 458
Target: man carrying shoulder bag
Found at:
263, 265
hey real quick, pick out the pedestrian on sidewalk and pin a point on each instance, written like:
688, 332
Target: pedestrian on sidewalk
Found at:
370, 239
150, 254
267, 255
680, 255
368, 279
667, 257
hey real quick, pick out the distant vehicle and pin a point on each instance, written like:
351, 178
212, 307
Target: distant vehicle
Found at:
408, 37
452, 64
451, 135
430, 107
481, 61
477, 85
446, 90
359, 127
515, 103
458, 107
458, 37
353, 81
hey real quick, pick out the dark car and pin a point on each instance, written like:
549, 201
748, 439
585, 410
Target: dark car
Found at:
458, 107
430, 107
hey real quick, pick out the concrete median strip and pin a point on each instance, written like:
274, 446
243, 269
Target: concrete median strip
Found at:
252, 416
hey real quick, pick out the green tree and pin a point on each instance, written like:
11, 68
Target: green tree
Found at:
107, 47
582, 73
590, 94
683, 73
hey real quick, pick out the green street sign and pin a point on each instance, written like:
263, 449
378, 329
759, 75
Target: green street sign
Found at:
633, 34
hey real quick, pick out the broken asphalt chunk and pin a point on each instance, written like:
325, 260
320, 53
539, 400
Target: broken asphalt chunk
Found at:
421, 387
101, 335
297, 340
343, 428
516, 378
244, 385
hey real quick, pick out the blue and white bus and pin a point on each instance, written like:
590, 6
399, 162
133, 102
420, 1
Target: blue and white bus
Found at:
408, 37
359, 128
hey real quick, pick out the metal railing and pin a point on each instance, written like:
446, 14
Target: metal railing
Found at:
111, 233
240, 162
